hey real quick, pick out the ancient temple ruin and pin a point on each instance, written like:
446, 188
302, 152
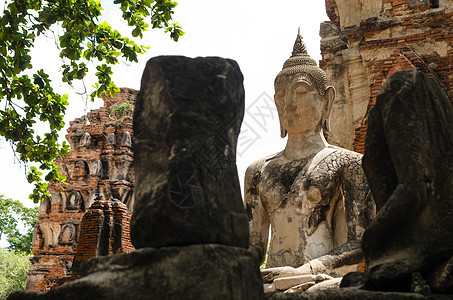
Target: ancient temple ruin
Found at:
79, 221
366, 41
362, 45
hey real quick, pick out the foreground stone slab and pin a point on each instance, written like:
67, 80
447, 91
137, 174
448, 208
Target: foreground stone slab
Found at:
190, 272
284, 283
352, 294
326, 285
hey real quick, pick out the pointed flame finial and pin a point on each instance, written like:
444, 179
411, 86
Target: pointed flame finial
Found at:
299, 45
303, 65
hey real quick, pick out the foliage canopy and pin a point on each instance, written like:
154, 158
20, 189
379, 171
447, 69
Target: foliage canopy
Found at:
13, 272
27, 96
13, 217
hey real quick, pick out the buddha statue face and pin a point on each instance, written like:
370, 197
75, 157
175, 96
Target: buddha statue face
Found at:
300, 107
303, 99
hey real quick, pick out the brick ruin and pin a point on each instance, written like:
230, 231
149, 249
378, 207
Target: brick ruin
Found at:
366, 41
76, 223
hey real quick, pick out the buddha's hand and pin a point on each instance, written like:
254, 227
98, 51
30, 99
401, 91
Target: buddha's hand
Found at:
272, 273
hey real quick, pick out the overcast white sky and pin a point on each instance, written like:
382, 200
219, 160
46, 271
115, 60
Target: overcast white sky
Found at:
259, 35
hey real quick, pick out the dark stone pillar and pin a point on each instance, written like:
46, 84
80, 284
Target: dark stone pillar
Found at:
186, 122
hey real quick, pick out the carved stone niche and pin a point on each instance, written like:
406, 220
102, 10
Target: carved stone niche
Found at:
44, 206
130, 202
55, 198
50, 232
80, 169
120, 172
125, 195
91, 198
96, 168
85, 141
34, 239
105, 170
111, 139
67, 234
63, 169
73, 201
126, 140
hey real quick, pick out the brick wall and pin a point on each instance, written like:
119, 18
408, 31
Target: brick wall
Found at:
105, 230
404, 34
68, 223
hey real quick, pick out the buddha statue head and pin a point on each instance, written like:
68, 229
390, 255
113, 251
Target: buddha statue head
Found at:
302, 96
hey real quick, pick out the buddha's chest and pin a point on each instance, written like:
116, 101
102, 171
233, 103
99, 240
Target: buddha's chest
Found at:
297, 185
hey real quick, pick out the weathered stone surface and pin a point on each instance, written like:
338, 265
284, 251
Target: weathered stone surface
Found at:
441, 278
287, 282
350, 76
409, 166
329, 284
191, 272
187, 120
301, 287
269, 287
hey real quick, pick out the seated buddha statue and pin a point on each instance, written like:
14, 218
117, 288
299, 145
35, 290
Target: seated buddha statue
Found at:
312, 196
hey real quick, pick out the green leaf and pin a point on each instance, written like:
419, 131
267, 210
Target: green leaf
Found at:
136, 32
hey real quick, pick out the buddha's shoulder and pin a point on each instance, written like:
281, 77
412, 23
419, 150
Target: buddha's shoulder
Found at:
334, 158
339, 154
260, 164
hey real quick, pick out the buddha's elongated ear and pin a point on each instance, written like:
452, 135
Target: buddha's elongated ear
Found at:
283, 131
330, 98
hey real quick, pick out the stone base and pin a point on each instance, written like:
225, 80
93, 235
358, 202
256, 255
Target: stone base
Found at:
208, 271
352, 294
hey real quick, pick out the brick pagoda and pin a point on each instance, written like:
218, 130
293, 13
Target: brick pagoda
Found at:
77, 223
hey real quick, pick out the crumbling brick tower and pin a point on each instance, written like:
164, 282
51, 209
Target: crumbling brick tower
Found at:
368, 40
100, 162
